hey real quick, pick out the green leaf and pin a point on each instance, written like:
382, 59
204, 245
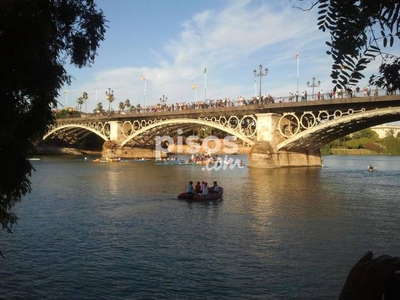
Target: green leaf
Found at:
323, 5
349, 62
370, 55
374, 48
345, 73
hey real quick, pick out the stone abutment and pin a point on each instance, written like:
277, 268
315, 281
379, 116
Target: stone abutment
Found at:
265, 153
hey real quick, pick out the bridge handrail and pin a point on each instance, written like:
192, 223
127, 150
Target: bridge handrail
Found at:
200, 105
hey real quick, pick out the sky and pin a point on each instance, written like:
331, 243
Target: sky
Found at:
172, 42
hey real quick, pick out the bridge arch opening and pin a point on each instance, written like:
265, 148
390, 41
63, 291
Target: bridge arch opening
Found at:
244, 129
75, 136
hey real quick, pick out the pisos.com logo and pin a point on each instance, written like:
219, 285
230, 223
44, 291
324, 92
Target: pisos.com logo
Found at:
193, 145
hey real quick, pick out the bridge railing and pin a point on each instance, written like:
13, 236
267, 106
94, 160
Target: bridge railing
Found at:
240, 101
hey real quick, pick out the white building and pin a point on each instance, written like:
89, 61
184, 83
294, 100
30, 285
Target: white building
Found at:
385, 129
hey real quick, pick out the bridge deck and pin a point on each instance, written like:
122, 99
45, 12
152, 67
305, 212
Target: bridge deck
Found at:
355, 103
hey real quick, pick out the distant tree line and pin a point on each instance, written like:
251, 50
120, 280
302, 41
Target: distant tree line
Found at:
366, 139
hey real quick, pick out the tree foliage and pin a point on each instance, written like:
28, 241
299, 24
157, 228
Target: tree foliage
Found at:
392, 144
353, 144
359, 31
80, 101
99, 108
37, 37
367, 133
366, 139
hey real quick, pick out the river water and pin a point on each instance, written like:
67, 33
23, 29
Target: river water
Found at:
117, 231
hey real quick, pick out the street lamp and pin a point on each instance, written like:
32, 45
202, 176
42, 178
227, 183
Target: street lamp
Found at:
260, 74
110, 98
66, 98
163, 100
313, 85
144, 78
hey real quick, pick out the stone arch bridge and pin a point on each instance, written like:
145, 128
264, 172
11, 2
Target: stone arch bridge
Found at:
280, 134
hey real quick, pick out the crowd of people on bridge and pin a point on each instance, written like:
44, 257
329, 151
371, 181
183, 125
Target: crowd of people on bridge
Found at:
204, 104
255, 100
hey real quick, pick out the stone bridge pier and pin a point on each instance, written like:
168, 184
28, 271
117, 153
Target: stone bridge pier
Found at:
115, 131
112, 146
266, 153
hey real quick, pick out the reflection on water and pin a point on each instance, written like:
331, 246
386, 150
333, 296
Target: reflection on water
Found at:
112, 182
294, 192
117, 231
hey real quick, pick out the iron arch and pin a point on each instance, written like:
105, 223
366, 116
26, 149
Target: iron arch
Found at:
74, 126
182, 121
326, 132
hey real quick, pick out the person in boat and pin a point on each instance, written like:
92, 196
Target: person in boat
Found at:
370, 168
202, 186
205, 191
189, 189
215, 188
197, 188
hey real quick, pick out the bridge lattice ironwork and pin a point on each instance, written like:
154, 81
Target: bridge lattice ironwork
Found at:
300, 125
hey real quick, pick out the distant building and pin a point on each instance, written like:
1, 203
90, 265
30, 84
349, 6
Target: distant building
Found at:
69, 108
386, 129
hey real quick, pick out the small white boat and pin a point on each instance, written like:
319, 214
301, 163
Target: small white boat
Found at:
106, 159
142, 160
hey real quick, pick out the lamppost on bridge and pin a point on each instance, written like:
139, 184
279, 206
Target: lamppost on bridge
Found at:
66, 98
260, 74
110, 98
313, 85
163, 100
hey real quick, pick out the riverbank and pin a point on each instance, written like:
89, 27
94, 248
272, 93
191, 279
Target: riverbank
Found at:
354, 152
47, 150
183, 150
131, 153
